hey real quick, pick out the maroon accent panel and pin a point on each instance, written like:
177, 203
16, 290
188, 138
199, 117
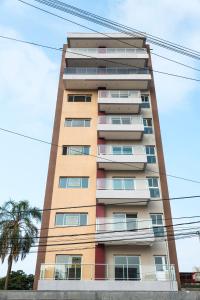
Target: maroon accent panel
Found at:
100, 262
100, 210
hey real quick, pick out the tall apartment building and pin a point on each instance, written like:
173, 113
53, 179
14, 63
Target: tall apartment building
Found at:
109, 168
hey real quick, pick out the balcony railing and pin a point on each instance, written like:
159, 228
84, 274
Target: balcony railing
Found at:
122, 224
115, 51
120, 120
105, 71
107, 272
122, 184
119, 94
122, 150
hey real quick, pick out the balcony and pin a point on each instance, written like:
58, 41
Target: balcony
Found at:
93, 78
79, 57
120, 231
122, 191
120, 127
106, 277
121, 157
119, 101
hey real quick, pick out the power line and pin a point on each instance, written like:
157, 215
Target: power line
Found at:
104, 241
95, 224
73, 10
102, 59
106, 35
56, 145
120, 231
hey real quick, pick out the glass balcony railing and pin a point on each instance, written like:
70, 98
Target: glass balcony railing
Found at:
105, 71
123, 224
118, 94
121, 150
125, 184
116, 271
120, 119
115, 51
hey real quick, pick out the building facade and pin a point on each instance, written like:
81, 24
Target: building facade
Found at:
107, 220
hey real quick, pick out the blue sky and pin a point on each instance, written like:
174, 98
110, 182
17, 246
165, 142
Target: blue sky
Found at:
28, 87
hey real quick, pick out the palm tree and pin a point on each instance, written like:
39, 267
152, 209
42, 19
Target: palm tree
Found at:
18, 231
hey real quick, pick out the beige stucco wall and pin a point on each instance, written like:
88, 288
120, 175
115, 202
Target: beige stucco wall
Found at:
86, 166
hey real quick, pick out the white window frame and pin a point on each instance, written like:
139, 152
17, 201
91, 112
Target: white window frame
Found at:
71, 214
76, 151
154, 187
151, 155
126, 256
76, 119
123, 182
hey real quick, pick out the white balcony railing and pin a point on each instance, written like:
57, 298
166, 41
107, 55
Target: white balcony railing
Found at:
122, 150
122, 224
104, 71
115, 51
107, 272
120, 120
127, 94
125, 184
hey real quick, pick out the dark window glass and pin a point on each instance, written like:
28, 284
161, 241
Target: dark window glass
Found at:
79, 98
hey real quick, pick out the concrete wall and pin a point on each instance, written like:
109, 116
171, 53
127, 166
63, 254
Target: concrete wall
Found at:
88, 295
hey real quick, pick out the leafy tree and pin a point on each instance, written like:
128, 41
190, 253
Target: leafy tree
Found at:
18, 281
18, 231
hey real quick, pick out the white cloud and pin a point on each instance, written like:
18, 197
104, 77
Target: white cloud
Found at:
28, 80
174, 20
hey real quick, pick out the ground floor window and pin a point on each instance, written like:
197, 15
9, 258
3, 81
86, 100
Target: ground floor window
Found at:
127, 268
68, 267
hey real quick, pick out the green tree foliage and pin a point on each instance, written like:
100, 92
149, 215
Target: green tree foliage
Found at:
18, 281
18, 231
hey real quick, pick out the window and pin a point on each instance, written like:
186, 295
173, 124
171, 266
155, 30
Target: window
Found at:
145, 101
161, 263
120, 120
153, 187
123, 221
76, 150
71, 219
79, 98
123, 183
77, 122
127, 268
157, 223
151, 157
73, 182
148, 127
68, 267
125, 150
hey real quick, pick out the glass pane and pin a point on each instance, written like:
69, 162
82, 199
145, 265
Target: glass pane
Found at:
116, 150
59, 219
159, 231
154, 219
126, 120
62, 182
83, 219
120, 260
131, 223
127, 150
74, 182
84, 182
78, 123
62, 259
117, 184
116, 121
154, 193
133, 272
133, 260
86, 150
151, 159
128, 184
76, 259
72, 219
87, 123
68, 122
74, 150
